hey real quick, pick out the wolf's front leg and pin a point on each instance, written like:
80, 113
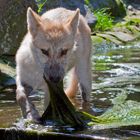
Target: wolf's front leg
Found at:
27, 107
83, 72
45, 89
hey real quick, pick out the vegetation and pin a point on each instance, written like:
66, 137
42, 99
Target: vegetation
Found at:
87, 2
104, 20
41, 3
131, 24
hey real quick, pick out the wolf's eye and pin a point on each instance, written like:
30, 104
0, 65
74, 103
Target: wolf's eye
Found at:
63, 52
45, 52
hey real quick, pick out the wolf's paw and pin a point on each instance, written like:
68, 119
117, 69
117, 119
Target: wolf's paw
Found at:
33, 117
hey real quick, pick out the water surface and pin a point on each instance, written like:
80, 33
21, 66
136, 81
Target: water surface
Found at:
114, 69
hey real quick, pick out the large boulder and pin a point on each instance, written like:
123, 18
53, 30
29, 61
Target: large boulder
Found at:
69, 4
13, 24
116, 7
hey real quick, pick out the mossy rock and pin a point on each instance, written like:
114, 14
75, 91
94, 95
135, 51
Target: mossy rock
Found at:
15, 134
97, 40
110, 38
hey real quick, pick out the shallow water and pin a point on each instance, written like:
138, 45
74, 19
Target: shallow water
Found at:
115, 69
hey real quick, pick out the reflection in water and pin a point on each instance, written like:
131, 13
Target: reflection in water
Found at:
9, 111
115, 69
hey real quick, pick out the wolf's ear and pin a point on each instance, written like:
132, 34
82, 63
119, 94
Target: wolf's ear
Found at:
33, 21
73, 21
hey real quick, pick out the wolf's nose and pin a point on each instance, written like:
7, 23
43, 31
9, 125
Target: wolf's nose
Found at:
54, 79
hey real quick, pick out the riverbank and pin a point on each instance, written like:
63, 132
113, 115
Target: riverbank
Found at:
124, 30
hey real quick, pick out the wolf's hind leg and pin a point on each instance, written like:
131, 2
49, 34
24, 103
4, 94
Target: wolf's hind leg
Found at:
83, 72
72, 88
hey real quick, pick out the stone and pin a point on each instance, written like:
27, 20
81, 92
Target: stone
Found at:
72, 5
7, 75
110, 38
133, 1
13, 24
124, 37
116, 7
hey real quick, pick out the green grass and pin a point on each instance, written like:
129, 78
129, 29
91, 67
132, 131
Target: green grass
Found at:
87, 2
41, 3
104, 20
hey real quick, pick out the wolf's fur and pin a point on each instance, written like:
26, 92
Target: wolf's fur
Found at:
56, 42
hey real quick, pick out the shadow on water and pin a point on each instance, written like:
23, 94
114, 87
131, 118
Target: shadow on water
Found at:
115, 69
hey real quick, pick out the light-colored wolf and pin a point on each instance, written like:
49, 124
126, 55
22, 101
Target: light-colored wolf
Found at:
56, 42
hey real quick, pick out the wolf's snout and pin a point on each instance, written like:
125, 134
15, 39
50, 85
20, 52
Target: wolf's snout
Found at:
54, 79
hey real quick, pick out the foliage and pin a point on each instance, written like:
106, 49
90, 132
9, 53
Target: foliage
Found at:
129, 22
41, 3
104, 20
130, 25
87, 2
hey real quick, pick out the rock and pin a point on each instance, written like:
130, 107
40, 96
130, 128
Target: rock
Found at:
7, 82
124, 37
72, 5
91, 19
130, 7
13, 24
116, 7
7, 75
133, 1
97, 40
110, 38
117, 37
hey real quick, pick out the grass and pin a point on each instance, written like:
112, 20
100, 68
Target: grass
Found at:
104, 20
87, 2
41, 3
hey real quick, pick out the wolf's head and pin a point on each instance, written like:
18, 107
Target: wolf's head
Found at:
54, 40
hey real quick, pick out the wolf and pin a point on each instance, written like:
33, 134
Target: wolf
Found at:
56, 42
